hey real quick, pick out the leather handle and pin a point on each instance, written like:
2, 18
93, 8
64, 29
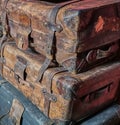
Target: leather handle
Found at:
108, 52
97, 54
97, 94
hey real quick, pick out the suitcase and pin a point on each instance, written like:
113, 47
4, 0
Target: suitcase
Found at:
109, 116
72, 33
28, 114
61, 96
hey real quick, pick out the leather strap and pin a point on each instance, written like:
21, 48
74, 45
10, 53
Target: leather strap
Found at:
2, 60
48, 88
4, 18
15, 114
52, 18
54, 28
43, 68
3, 40
4, 23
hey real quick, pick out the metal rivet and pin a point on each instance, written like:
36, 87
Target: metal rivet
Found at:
45, 23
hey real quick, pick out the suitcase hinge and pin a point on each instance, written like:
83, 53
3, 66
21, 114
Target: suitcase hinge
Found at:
20, 68
49, 96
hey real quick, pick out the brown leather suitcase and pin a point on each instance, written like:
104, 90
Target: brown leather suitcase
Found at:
61, 95
73, 33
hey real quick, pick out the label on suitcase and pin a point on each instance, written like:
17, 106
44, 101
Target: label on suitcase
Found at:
65, 31
60, 95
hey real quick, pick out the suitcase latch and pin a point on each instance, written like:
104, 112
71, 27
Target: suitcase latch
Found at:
20, 68
53, 27
49, 96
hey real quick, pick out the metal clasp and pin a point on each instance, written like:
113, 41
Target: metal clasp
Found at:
49, 96
53, 27
20, 68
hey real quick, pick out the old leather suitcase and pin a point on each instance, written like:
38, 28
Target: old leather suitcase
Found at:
72, 33
61, 95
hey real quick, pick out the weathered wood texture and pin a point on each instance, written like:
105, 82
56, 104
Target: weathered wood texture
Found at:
73, 30
61, 95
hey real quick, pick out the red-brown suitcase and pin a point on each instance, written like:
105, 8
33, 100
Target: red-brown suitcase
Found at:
61, 95
74, 33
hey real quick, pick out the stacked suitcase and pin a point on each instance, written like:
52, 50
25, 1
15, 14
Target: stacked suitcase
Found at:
60, 56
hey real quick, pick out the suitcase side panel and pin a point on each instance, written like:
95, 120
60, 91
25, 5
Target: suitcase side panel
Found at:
11, 52
103, 92
30, 88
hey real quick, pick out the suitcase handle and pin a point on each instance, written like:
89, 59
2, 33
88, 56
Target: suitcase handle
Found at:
97, 54
102, 53
97, 93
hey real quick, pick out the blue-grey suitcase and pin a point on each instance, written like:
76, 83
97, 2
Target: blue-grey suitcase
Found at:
15, 109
